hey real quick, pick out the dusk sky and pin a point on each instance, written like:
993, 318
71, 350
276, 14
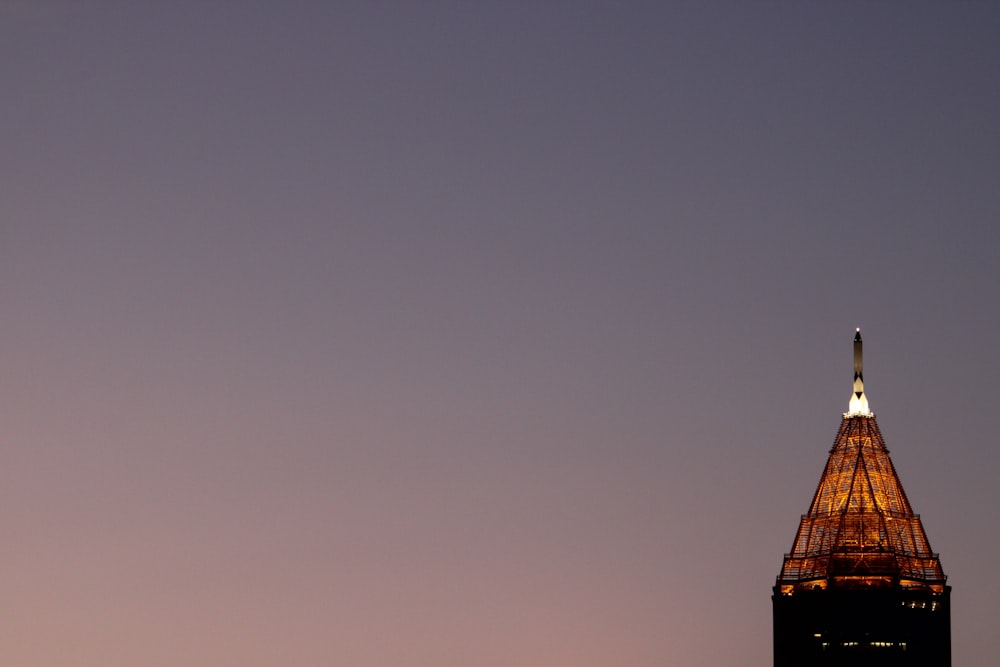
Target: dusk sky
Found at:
441, 334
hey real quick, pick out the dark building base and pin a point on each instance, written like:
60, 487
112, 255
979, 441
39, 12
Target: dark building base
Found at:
862, 627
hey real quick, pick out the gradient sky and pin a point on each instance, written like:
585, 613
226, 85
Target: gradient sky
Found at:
440, 334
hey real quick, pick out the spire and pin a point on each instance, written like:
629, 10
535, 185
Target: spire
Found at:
859, 402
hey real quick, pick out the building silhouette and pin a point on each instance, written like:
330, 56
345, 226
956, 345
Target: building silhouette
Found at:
861, 585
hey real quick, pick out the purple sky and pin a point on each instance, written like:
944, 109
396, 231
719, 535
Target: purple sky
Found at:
479, 334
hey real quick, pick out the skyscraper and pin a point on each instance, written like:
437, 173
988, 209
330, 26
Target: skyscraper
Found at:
861, 585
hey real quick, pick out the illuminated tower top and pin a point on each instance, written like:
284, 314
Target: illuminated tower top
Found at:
861, 586
860, 530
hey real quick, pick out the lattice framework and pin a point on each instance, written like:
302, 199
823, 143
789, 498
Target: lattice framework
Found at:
860, 529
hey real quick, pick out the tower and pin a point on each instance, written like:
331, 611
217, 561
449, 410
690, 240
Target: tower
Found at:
861, 585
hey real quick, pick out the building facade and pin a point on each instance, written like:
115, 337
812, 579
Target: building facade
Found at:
861, 585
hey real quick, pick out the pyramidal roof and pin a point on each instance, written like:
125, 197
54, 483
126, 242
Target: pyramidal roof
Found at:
860, 530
